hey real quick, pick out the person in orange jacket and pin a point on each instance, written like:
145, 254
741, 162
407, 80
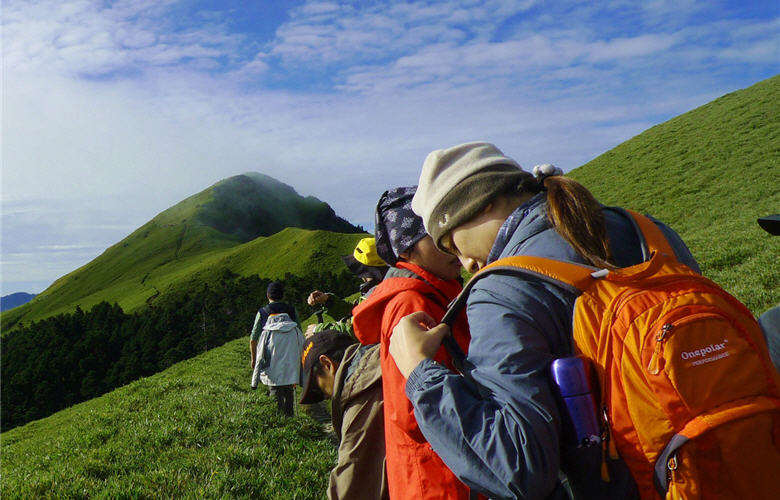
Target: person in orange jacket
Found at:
422, 278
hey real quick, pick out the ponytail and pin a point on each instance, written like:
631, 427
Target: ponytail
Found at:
575, 214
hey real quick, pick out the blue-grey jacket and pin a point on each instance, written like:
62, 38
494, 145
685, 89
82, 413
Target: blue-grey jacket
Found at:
499, 429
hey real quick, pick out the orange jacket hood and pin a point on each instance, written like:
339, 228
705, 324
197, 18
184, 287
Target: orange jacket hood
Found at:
367, 316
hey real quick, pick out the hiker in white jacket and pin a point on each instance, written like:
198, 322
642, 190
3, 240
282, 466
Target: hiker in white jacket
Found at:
277, 359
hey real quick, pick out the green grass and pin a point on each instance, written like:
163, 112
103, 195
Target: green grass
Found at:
709, 173
192, 431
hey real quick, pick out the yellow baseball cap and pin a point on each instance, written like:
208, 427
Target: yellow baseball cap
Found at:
365, 253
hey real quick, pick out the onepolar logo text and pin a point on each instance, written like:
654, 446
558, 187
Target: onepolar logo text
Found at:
700, 353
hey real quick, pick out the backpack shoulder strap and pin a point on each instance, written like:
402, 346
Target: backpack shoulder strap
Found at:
575, 277
567, 275
651, 237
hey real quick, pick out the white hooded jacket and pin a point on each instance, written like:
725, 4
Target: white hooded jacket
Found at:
278, 355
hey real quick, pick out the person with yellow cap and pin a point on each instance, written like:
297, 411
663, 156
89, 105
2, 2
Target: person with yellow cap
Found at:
365, 263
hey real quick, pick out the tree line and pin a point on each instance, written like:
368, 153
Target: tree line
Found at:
57, 362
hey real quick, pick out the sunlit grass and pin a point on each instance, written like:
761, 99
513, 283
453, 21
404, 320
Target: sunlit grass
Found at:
195, 430
709, 173
110, 278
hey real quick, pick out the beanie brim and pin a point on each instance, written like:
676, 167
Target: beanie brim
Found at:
468, 198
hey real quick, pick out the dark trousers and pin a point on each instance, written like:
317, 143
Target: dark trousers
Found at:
285, 398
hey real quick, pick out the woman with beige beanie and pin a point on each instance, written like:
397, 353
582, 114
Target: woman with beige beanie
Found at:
499, 429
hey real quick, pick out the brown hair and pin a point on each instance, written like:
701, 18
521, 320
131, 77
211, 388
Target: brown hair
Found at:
577, 216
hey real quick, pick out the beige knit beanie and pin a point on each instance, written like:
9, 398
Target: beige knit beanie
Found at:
456, 183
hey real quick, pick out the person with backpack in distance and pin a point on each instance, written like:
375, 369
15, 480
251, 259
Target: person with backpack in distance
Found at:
337, 367
275, 348
682, 401
421, 277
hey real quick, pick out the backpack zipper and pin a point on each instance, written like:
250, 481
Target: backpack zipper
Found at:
671, 476
654, 366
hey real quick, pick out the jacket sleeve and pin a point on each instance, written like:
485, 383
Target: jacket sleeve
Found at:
257, 327
301, 341
498, 431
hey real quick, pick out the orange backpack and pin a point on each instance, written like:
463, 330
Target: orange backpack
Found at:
690, 398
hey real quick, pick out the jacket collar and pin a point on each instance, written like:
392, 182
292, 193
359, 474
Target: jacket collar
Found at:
531, 215
367, 316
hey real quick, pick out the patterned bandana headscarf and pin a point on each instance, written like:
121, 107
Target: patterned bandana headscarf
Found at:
396, 227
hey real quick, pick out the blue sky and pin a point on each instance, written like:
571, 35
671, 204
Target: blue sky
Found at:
114, 111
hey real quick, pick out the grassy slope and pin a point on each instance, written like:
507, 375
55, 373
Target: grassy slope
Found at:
292, 250
192, 431
176, 247
709, 173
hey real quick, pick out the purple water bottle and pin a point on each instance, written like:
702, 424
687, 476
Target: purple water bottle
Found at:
576, 383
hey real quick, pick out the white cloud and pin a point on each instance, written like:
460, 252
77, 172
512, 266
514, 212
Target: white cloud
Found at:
622, 48
86, 38
113, 114
326, 33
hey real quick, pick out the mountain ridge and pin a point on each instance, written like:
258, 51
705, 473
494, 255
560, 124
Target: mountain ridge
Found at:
190, 234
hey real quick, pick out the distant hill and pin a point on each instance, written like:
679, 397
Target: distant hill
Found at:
251, 205
709, 173
14, 300
239, 222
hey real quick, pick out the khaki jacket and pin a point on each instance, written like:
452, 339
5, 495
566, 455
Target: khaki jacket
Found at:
358, 420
